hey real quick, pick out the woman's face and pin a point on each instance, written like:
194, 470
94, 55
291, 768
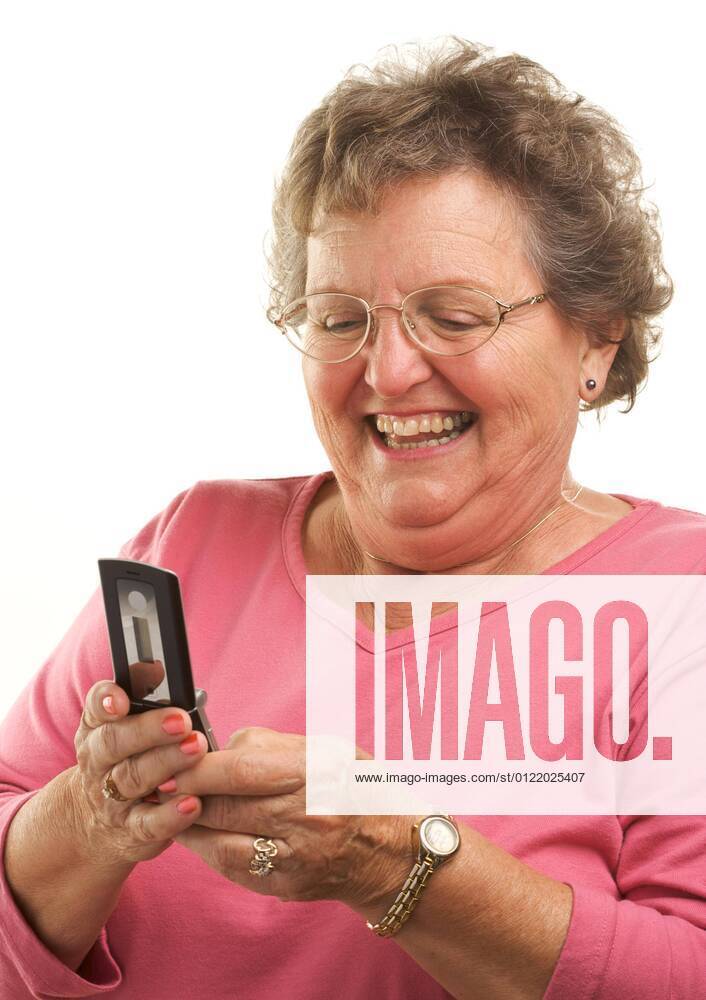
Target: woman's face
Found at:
522, 385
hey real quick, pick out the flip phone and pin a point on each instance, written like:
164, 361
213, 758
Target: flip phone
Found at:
148, 641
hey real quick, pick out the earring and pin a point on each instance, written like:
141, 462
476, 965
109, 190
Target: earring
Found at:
591, 383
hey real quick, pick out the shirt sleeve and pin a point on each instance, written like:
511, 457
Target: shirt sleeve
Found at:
651, 942
36, 744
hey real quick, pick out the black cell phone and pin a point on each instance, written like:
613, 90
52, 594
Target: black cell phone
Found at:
148, 642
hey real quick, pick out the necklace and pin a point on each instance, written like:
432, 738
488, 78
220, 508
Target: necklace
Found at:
512, 545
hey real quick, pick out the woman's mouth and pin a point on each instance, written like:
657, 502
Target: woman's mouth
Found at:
422, 432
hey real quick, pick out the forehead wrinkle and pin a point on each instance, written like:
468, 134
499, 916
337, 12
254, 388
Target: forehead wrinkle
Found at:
477, 244
499, 232
494, 216
476, 263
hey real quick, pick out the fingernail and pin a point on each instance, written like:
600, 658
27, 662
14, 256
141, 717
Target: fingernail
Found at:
108, 705
168, 786
191, 744
188, 805
174, 724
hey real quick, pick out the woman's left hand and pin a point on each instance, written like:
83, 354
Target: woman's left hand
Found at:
256, 787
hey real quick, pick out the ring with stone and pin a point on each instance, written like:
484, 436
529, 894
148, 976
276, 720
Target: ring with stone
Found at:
110, 789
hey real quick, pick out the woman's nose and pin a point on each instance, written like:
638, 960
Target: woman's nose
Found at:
393, 362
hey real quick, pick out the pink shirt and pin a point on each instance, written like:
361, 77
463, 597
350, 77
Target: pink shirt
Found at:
639, 882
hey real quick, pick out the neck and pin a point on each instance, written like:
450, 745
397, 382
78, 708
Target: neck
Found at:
533, 548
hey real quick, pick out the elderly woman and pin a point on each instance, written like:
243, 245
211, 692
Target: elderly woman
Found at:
463, 261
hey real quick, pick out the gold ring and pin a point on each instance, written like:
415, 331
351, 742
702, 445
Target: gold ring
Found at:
110, 789
265, 850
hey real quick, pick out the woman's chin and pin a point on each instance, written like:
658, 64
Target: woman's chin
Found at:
419, 502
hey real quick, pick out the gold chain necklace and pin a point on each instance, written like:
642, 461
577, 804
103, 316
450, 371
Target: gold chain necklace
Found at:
511, 546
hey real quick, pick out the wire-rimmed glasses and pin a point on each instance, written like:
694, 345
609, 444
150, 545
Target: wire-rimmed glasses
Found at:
447, 320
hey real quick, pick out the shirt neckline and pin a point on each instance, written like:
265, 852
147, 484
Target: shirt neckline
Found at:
296, 566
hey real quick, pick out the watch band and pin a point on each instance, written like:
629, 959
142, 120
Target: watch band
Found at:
406, 899
431, 852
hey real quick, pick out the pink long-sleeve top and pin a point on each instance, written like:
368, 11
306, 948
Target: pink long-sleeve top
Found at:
180, 930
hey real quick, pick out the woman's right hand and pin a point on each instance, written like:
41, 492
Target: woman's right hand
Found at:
141, 752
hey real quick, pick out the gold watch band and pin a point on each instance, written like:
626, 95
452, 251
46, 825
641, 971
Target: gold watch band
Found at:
406, 899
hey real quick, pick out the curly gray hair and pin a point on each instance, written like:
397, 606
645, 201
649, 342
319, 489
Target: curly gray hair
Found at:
590, 236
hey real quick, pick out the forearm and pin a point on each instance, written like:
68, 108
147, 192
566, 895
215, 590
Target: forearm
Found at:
64, 894
487, 927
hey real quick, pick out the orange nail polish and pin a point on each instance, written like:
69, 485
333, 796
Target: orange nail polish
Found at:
188, 805
173, 724
191, 744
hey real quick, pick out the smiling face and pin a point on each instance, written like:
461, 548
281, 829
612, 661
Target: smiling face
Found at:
471, 495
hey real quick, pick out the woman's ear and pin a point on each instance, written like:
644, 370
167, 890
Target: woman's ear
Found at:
596, 357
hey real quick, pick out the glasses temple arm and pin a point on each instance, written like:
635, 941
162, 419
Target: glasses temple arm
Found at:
508, 307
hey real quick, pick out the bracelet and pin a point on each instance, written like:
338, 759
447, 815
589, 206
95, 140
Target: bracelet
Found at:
438, 839
405, 901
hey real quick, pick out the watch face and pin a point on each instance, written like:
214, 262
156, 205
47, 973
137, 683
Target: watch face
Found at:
438, 835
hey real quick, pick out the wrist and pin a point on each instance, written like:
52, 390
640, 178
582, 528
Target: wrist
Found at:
388, 858
436, 838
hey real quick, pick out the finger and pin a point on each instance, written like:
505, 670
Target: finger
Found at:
256, 772
106, 746
231, 854
233, 813
147, 822
105, 702
137, 776
259, 737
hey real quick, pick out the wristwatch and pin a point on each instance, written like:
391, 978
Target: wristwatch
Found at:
436, 839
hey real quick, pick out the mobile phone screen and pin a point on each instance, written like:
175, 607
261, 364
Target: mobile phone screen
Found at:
143, 641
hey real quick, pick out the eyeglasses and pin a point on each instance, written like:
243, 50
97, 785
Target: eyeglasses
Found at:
447, 320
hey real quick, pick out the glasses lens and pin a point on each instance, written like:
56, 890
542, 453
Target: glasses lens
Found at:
328, 327
451, 320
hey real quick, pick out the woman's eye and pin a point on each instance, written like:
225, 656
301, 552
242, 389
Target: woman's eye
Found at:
458, 322
339, 324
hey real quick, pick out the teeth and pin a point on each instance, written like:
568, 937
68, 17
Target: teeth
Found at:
424, 424
434, 443
408, 427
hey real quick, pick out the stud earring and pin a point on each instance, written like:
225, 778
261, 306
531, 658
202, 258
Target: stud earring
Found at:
591, 383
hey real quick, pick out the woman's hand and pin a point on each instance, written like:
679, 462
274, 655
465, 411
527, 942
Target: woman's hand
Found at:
256, 788
140, 752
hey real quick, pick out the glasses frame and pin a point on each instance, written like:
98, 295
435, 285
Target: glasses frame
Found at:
503, 309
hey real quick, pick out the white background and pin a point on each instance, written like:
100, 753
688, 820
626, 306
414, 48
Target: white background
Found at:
140, 143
